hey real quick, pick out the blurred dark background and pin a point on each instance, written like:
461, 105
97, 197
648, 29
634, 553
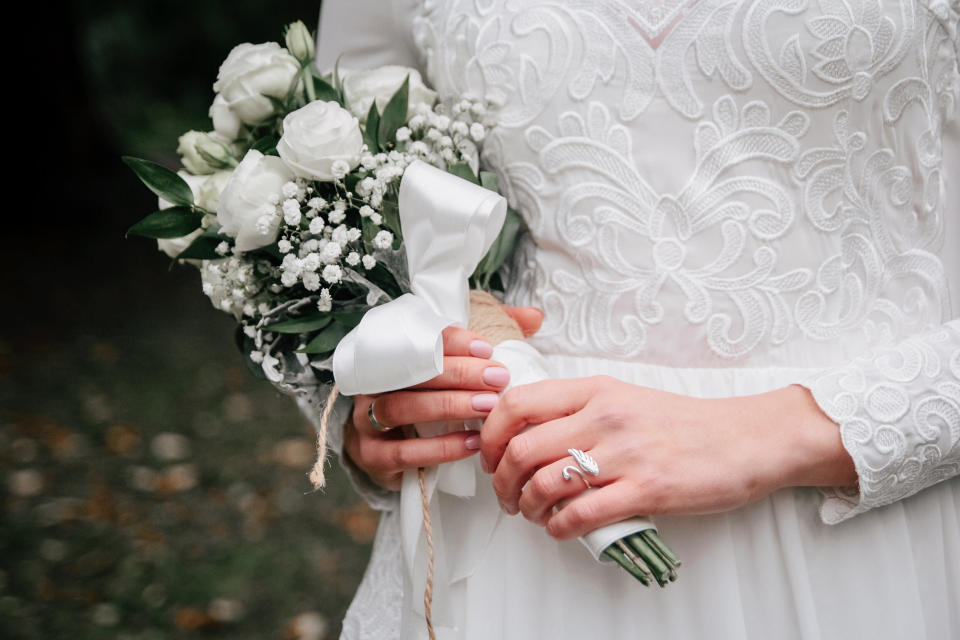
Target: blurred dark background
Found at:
151, 487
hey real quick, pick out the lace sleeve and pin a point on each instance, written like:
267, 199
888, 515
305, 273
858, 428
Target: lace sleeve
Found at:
898, 408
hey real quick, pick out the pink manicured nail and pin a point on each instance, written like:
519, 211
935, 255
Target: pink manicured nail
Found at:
472, 443
496, 376
481, 349
484, 465
484, 401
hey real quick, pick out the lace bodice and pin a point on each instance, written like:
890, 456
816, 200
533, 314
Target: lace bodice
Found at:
717, 182
746, 184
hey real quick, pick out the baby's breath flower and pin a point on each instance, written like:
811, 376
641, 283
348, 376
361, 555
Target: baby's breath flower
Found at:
477, 132
256, 356
316, 203
339, 235
353, 258
312, 244
291, 211
288, 278
284, 246
403, 134
383, 240
376, 218
353, 234
223, 248
369, 262
248, 329
330, 253
339, 169
311, 262
311, 281
336, 216
332, 273
290, 190
325, 302
316, 226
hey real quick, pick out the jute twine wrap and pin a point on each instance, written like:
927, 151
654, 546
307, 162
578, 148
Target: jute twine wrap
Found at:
488, 319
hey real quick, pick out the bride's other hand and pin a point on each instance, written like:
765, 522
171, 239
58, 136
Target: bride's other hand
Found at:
658, 452
468, 388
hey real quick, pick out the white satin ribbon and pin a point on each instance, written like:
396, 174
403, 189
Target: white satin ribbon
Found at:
448, 226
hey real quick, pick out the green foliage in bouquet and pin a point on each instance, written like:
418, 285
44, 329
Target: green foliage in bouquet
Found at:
290, 291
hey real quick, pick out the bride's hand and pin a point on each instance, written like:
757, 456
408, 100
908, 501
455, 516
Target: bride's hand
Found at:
658, 452
468, 388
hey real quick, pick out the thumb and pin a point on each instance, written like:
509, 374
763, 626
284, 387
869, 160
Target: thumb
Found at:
529, 318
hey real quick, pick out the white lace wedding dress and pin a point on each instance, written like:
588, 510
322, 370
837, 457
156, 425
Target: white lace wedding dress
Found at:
724, 197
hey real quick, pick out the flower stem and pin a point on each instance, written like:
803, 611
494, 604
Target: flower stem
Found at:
654, 540
618, 556
659, 568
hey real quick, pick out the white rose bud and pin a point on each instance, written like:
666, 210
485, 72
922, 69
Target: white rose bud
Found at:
202, 153
252, 71
205, 190
225, 121
245, 211
299, 41
362, 86
319, 136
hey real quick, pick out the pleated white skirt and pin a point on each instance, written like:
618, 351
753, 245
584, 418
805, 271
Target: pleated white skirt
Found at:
771, 570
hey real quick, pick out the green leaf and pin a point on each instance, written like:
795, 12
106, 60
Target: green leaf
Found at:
174, 222
500, 249
163, 182
323, 90
463, 170
349, 319
391, 215
373, 126
279, 106
301, 325
204, 247
327, 340
267, 145
489, 180
338, 83
394, 115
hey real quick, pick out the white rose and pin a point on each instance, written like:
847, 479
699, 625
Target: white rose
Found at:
250, 72
299, 41
317, 136
203, 153
206, 190
225, 121
245, 203
362, 86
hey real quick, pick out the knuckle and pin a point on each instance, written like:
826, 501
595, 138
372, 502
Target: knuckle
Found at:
540, 487
447, 405
386, 409
512, 401
582, 513
517, 451
398, 457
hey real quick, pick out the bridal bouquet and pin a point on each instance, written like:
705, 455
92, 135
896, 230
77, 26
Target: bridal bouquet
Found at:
337, 215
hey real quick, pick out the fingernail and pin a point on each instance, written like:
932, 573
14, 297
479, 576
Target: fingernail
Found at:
503, 507
484, 465
472, 442
484, 401
496, 376
481, 349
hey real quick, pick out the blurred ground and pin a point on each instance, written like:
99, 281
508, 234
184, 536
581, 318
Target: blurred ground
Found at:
151, 488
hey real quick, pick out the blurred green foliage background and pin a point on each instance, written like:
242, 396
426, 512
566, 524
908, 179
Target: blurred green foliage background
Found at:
151, 487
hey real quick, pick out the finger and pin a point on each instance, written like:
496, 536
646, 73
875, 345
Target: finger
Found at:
469, 373
530, 319
530, 404
400, 455
463, 342
410, 407
547, 487
534, 448
593, 510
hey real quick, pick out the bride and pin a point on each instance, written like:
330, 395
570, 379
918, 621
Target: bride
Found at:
746, 242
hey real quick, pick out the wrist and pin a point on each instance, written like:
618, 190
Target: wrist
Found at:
813, 452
